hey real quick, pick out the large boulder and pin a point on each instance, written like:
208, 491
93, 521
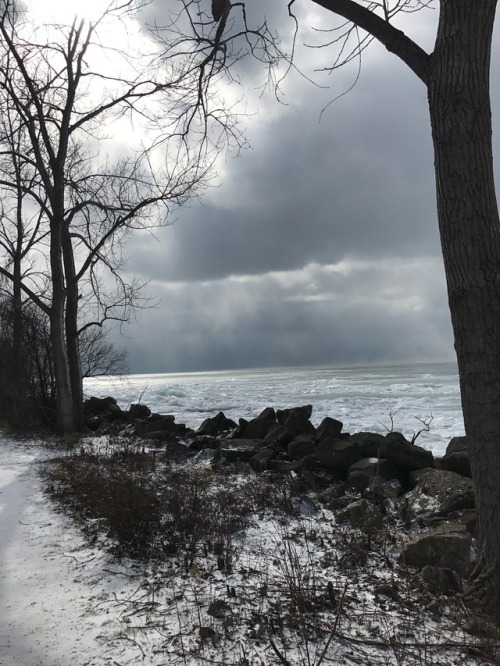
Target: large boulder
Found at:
282, 415
394, 447
296, 421
278, 434
456, 458
157, 424
440, 581
362, 515
448, 545
437, 493
370, 444
258, 427
216, 425
363, 471
201, 442
240, 450
404, 454
303, 445
104, 408
95, 406
138, 411
337, 455
384, 493
329, 428
260, 460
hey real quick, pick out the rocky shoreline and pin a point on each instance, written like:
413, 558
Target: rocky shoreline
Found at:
365, 478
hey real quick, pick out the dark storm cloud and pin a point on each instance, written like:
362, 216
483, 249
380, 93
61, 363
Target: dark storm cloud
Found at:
320, 244
352, 312
360, 182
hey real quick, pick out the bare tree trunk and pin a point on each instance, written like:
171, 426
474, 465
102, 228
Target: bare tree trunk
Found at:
64, 402
71, 322
459, 103
15, 366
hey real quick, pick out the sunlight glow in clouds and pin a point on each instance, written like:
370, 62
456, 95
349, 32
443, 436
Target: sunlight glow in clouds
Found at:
64, 11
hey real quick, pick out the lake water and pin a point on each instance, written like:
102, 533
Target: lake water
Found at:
362, 397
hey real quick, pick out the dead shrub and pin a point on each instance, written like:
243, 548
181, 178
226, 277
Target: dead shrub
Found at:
117, 491
147, 507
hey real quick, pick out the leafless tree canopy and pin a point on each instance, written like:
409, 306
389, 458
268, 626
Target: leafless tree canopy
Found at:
103, 132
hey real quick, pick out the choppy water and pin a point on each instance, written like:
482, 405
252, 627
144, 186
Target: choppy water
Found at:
362, 397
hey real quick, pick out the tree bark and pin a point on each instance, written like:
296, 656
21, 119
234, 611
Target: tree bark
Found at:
64, 402
71, 324
459, 103
393, 39
457, 79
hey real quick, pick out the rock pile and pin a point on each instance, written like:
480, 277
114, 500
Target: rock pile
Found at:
363, 477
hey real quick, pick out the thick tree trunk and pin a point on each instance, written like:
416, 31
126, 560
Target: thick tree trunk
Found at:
64, 402
459, 102
71, 322
17, 369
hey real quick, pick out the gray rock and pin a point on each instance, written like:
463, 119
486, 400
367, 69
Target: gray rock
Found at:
404, 454
330, 493
157, 424
456, 458
304, 506
296, 421
456, 444
380, 490
260, 460
138, 411
439, 580
282, 415
278, 434
448, 546
113, 413
438, 493
395, 448
307, 464
93, 422
363, 471
216, 425
362, 515
301, 446
338, 454
370, 444
177, 450
96, 406
240, 450
204, 442
329, 428
160, 436
258, 427
280, 466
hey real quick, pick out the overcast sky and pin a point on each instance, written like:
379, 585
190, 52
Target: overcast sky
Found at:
318, 245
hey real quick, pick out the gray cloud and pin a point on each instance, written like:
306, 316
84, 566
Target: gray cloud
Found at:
320, 244
359, 182
354, 311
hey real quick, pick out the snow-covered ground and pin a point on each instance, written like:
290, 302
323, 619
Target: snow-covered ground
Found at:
65, 602
49, 578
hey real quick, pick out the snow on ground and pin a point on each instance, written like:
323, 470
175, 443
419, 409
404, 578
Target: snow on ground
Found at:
48, 576
65, 602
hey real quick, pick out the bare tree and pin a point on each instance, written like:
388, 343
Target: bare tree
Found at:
66, 88
99, 356
21, 229
29, 398
455, 77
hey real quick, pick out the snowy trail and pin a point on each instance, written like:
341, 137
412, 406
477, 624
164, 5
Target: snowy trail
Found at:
44, 603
